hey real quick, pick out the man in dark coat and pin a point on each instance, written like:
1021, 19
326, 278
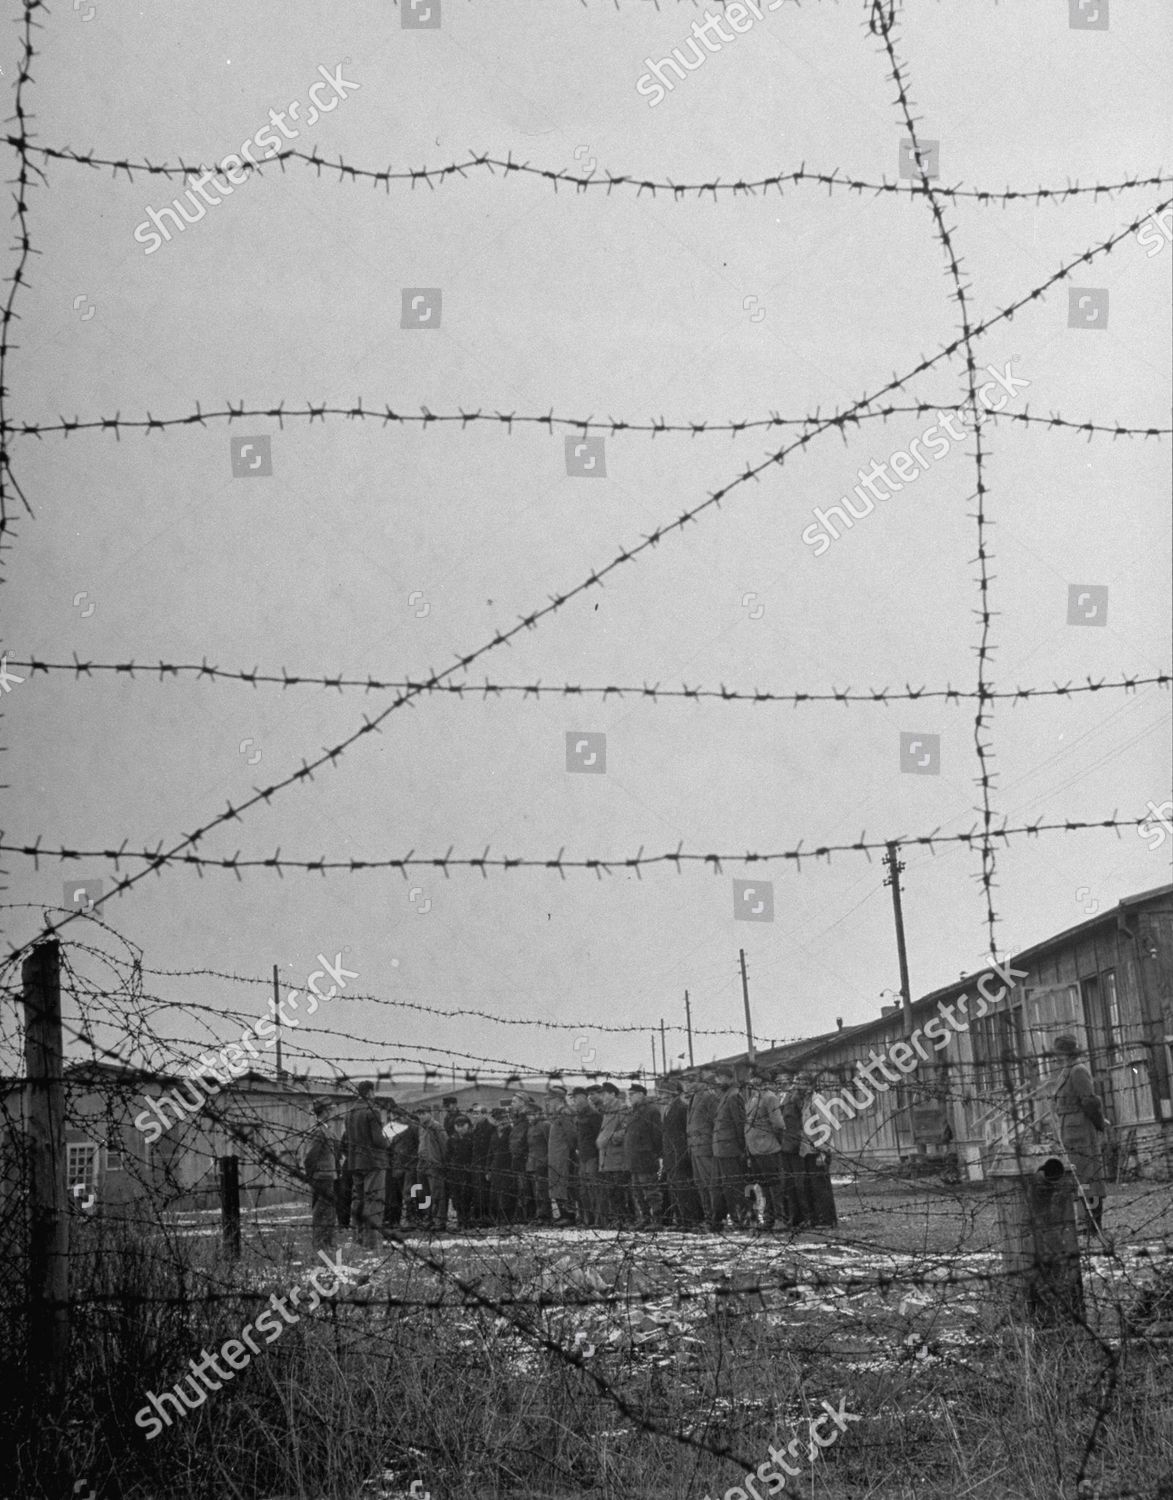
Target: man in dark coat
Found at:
319, 1167
588, 1121
683, 1198
368, 1156
729, 1152
518, 1152
791, 1142
433, 1168
1078, 1118
483, 1134
702, 1111
461, 1170
537, 1163
818, 1195
502, 1183
401, 1176
343, 1181
642, 1147
563, 1145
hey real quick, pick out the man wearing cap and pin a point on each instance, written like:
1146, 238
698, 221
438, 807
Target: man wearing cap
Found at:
537, 1162
588, 1121
791, 1139
319, 1168
501, 1199
1078, 1118
702, 1110
433, 1168
729, 1152
642, 1148
563, 1143
518, 1150
451, 1110
461, 1171
367, 1151
612, 1162
405, 1145
682, 1195
764, 1128
482, 1147
815, 1187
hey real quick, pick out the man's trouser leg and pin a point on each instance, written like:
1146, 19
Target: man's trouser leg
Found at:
767, 1170
791, 1188
357, 1184
522, 1191
373, 1186
342, 1188
684, 1194
588, 1192
437, 1191
703, 1174
323, 1213
393, 1199
539, 1183
645, 1190
729, 1190
502, 1197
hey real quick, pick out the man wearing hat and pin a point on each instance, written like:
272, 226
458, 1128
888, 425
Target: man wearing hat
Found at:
483, 1134
518, 1150
563, 1142
367, 1151
702, 1110
729, 1151
682, 1195
1079, 1123
451, 1108
502, 1191
642, 1147
319, 1167
588, 1121
537, 1161
403, 1130
612, 1161
764, 1128
791, 1102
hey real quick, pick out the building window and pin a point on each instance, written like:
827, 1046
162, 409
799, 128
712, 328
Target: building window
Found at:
1110, 1016
81, 1168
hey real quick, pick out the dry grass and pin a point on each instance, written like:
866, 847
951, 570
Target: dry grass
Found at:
366, 1397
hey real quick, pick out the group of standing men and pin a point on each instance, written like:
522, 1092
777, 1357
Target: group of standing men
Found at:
707, 1151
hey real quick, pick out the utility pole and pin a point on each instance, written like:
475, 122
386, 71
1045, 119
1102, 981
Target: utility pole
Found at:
48, 1263
277, 1018
653, 1041
688, 1025
745, 997
895, 866
663, 1048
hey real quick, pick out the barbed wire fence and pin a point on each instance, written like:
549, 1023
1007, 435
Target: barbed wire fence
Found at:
536, 1299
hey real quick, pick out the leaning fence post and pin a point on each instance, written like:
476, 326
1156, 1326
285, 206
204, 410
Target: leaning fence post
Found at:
230, 1205
48, 1218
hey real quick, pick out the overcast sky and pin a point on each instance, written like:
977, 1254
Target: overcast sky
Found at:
390, 551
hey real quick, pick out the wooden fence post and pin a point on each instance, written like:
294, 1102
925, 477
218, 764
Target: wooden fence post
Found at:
1040, 1240
230, 1205
48, 1220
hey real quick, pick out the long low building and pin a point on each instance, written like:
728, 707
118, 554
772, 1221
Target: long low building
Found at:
1108, 981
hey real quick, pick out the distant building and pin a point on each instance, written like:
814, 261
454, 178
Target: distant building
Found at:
169, 1158
1108, 981
136, 1137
